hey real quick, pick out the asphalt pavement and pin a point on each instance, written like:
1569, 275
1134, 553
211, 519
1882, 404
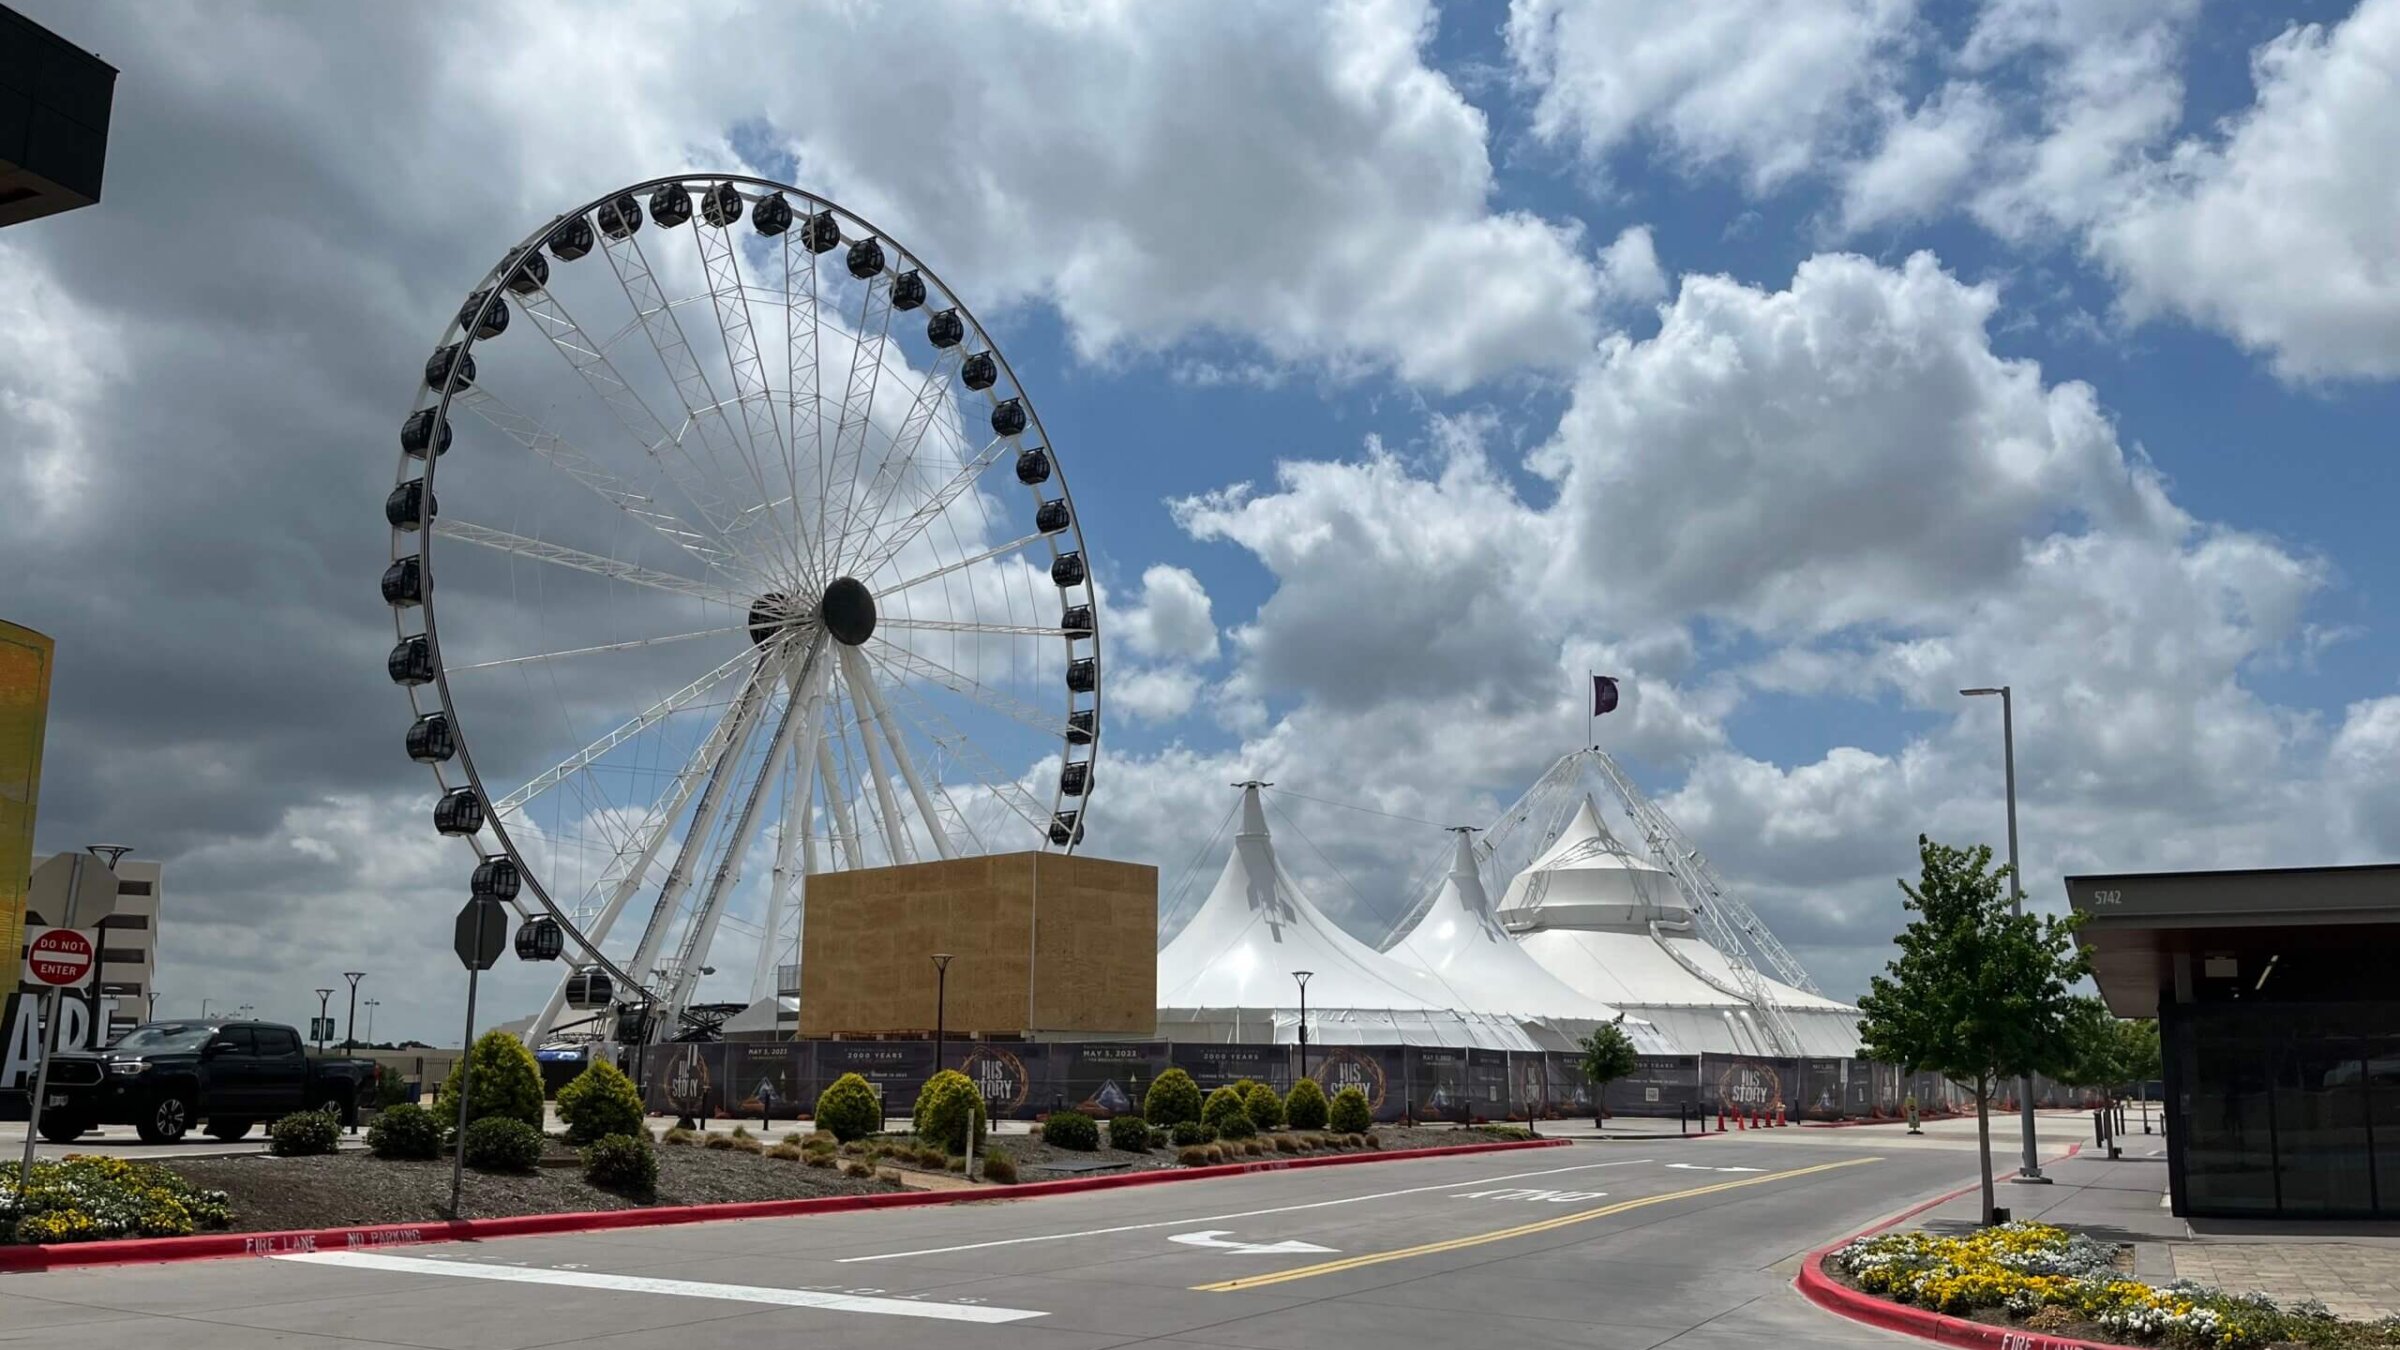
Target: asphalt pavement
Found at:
1636, 1244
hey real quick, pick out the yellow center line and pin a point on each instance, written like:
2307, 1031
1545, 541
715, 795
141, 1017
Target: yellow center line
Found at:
1521, 1230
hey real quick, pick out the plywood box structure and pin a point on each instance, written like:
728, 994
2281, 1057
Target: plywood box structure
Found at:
1045, 944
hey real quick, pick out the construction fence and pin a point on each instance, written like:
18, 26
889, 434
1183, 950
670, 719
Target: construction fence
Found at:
1023, 1080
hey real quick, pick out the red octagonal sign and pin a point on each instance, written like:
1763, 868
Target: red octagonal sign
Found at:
59, 957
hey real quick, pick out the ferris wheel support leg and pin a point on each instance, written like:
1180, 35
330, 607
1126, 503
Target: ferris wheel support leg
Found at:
861, 680
895, 831
795, 821
845, 830
749, 705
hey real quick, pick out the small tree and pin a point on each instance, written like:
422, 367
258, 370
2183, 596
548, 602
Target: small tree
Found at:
1306, 1107
1608, 1055
1173, 1099
1977, 993
503, 1081
599, 1102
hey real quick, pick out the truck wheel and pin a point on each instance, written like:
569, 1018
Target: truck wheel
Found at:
61, 1128
336, 1108
226, 1131
168, 1119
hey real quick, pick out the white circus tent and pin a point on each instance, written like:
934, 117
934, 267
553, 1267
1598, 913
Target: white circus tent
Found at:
1622, 930
1228, 976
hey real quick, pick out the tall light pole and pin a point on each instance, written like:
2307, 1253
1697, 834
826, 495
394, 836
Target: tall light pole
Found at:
350, 1023
1302, 977
941, 1007
2030, 1167
370, 1005
322, 996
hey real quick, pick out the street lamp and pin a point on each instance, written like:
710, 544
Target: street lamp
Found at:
941, 1007
2030, 1169
371, 1005
151, 1014
1302, 977
350, 1023
322, 995
204, 1007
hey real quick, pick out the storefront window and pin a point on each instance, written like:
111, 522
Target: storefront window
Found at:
2292, 1109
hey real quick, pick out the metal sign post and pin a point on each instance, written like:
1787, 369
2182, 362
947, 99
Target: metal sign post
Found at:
41, 1072
481, 925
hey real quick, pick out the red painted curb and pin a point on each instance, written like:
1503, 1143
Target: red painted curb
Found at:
211, 1246
1835, 1297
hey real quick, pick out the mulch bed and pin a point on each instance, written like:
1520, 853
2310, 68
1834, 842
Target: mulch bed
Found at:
344, 1189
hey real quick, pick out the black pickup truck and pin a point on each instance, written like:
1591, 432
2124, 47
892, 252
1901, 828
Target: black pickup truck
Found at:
165, 1077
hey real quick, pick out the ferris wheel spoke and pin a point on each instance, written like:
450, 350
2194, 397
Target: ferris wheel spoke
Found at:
703, 414
939, 732
803, 401
629, 645
837, 802
648, 717
961, 564
905, 664
748, 710
720, 262
591, 361
858, 408
914, 523
556, 451
862, 682
900, 453
960, 626
559, 555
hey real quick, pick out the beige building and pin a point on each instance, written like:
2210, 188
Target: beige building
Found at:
129, 945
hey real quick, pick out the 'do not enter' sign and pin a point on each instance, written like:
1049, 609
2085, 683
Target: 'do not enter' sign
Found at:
60, 958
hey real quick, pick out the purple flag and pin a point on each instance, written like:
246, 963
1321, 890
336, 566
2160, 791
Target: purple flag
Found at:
1604, 694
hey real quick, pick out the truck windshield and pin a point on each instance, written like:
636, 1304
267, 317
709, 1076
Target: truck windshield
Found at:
168, 1037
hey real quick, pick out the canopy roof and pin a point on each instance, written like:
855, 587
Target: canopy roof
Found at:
1461, 956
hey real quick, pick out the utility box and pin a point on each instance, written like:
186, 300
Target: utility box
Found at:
1042, 944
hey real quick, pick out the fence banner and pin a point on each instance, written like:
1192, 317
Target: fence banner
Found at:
1376, 1070
1214, 1066
1106, 1078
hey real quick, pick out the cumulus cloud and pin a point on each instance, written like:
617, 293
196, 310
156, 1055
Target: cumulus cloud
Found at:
1171, 620
1629, 270
1923, 161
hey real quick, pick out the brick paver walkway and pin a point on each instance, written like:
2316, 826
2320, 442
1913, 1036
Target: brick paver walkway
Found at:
2354, 1281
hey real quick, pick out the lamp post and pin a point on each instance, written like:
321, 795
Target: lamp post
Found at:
941, 1007
1302, 977
371, 1005
350, 1023
151, 1013
2030, 1168
322, 996
204, 1007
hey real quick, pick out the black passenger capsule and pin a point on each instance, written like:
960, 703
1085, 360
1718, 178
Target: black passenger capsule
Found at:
772, 216
437, 366
411, 661
404, 582
526, 270
908, 289
670, 206
620, 216
945, 328
1075, 779
1066, 828
1008, 417
1051, 516
430, 740
1081, 725
980, 372
423, 431
721, 205
1067, 569
458, 811
409, 506
821, 232
1076, 620
1083, 674
497, 878
571, 239
589, 989
495, 319
540, 940
866, 259
1033, 466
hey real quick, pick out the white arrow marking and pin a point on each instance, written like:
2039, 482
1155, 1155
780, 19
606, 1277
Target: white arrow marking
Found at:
1695, 1167
1214, 1238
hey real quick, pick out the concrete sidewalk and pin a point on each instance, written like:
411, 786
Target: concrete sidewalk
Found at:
2350, 1267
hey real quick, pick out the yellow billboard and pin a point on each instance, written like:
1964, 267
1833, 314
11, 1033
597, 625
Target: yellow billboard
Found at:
24, 710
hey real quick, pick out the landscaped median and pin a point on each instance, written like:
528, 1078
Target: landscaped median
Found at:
2032, 1286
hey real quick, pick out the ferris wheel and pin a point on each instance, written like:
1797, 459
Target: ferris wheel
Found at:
754, 563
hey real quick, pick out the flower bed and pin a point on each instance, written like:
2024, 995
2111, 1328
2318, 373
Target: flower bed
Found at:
2046, 1279
86, 1198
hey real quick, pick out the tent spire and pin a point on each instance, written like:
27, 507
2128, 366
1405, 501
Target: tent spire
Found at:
1254, 812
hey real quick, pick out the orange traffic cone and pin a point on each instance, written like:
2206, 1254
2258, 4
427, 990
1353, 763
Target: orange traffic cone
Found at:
1720, 1117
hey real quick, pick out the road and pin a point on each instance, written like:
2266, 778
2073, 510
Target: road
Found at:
1634, 1244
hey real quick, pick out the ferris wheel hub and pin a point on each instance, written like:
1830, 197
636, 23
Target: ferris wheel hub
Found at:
848, 611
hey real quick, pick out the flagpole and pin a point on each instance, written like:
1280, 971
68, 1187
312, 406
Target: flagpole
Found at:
1591, 681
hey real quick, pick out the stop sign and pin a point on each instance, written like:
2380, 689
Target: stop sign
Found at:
59, 958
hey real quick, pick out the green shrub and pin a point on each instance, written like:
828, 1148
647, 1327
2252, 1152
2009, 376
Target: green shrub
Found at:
1071, 1130
1223, 1105
503, 1144
1173, 1098
303, 1134
1305, 1108
601, 1101
390, 1089
1131, 1134
405, 1131
1350, 1114
1236, 1125
504, 1080
999, 1167
1264, 1107
739, 1131
621, 1162
946, 1106
1190, 1133
849, 1108
90, 1198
